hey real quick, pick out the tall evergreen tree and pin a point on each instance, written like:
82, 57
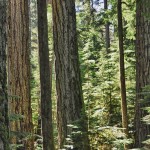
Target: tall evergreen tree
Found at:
107, 36
46, 103
122, 71
142, 69
70, 106
4, 145
19, 71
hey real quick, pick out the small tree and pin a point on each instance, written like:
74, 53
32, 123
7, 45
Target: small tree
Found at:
122, 72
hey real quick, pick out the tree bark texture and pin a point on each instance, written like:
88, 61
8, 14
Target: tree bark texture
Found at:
49, 1
19, 69
46, 103
68, 83
4, 131
122, 71
142, 69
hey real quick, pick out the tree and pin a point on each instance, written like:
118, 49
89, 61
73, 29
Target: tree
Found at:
46, 103
122, 71
70, 106
107, 38
142, 70
4, 145
19, 71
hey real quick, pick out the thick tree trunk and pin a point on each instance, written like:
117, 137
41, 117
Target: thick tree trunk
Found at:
122, 72
70, 106
46, 103
142, 69
19, 69
4, 145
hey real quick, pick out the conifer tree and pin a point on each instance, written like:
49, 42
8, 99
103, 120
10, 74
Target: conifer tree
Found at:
46, 103
122, 71
19, 72
4, 144
70, 105
142, 70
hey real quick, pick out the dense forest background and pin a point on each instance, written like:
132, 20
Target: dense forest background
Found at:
74, 74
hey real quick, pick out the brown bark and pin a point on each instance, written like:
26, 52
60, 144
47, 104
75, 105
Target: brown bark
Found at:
122, 72
142, 69
46, 103
49, 1
68, 83
19, 69
4, 144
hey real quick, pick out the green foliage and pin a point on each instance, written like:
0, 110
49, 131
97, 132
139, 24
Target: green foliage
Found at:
100, 71
109, 137
75, 139
15, 117
38, 143
35, 79
15, 146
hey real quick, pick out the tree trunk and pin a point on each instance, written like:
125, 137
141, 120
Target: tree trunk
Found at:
49, 1
46, 103
107, 45
4, 145
107, 38
122, 72
19, 70
70, 106
142, 69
